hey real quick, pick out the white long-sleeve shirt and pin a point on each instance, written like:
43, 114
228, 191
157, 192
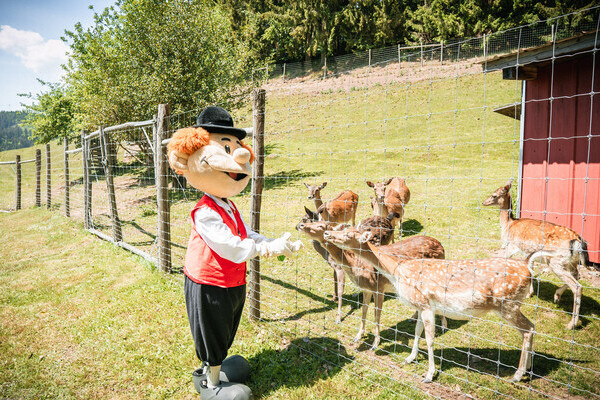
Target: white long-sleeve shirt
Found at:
220, 239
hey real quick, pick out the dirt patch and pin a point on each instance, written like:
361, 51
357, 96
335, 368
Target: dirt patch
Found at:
364, 78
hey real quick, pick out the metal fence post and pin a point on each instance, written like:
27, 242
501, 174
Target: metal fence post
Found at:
17, 182
421, 40
258, 117
161, 174
38, 177
110, 185
67, 202
442, 52
48, 177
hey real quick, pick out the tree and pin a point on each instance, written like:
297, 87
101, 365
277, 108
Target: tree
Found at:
52, 115
144, 52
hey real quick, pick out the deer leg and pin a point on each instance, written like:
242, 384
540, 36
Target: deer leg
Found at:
379, 297
340, 282
428, 317
526, 327
418, 332
444, 323
367, 294
574, 285
559, 292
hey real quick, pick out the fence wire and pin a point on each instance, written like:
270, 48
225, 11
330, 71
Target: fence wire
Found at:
428, 118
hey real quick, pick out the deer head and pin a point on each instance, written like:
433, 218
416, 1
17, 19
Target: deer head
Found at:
379, 188
347, 238
500, 197
314, 190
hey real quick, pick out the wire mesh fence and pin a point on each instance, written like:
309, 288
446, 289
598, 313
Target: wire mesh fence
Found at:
435, 126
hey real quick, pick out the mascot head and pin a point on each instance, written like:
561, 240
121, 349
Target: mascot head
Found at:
211, 154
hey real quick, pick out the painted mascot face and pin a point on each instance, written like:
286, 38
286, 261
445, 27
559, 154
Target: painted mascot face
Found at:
221, 168
215, 163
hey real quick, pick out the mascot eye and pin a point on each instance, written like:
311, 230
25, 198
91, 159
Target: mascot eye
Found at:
227, 149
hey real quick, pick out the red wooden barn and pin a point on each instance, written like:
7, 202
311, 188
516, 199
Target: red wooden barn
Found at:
560, 133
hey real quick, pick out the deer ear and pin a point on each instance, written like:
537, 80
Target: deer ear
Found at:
321, 209
323, 185
508, 184
305, 184
370, 184
306, 210
388, 181
365, 237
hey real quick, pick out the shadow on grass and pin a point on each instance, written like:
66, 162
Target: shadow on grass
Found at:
302, 363
284, 178
354, 300
501, 363
546, 292
403, 333
411, 227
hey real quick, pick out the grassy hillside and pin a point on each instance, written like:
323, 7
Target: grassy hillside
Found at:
440, 134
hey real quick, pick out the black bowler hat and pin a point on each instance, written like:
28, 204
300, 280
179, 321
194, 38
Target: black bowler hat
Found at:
216, 120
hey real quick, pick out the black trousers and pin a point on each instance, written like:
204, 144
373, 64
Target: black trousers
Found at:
214, 314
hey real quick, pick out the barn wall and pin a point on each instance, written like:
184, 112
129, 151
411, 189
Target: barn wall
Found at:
561, 163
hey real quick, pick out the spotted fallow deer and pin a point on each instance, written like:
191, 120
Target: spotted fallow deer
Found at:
363, 274
558, 245
341, 209
391, 196
458, 289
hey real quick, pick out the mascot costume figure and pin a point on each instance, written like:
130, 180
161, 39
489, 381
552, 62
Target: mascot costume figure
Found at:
214, 160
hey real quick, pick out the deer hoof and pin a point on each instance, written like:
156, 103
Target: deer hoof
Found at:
556, 298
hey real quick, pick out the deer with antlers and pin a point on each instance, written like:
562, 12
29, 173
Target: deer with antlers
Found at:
391, 196
363, 274
562, 248
341, 209
458, 289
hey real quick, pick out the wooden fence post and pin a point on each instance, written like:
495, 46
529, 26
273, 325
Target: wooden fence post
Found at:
48, 177
17, 182
67, 183
87, 186
38, 177
107, 158
161, 173
258, 145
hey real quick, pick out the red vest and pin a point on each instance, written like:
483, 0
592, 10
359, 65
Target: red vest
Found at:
202, 264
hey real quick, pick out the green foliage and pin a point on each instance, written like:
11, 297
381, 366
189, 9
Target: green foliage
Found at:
52, 115
292, 31
12, 136
145, 52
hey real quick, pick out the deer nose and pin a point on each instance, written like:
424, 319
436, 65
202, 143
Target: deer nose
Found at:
326, 235
300, 226
241, 156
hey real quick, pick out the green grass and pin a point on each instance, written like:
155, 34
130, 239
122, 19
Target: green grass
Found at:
109, 315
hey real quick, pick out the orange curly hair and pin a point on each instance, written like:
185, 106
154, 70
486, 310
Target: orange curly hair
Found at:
188, 140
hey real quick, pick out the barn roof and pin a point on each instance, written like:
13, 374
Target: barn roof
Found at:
544, 53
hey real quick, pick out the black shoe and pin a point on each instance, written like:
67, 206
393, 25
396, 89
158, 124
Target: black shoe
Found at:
236, 369
225, 391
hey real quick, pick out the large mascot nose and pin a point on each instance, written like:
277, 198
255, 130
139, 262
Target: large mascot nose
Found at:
241, 156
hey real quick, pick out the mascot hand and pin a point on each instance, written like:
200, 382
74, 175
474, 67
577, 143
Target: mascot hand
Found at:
281, 245
178, 160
